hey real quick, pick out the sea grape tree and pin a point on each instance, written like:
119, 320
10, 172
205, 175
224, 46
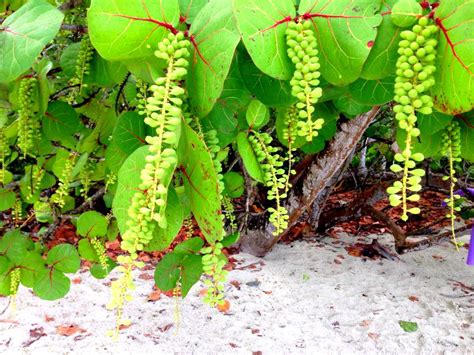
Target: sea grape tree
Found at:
131, 119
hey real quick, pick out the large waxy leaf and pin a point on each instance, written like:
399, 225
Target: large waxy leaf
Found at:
190, 8
51, 285
190, 273
163, 237
92, 224
30, 266
201, 185
346, 32
249, 157
327, 132
6, 266
272, 92
60, 121
128, 182
216, 36
433, 123
373, 92
7, 199
175, 267
454, 89
14, 244
121, 30
129, 134
263, 36
167, 271
467, 136
24, 34
234, 98
428, 143
383, 56
64, 257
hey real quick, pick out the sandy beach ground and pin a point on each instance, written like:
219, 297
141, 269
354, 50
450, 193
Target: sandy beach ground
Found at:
304, 298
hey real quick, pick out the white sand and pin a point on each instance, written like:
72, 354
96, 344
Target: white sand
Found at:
299, 301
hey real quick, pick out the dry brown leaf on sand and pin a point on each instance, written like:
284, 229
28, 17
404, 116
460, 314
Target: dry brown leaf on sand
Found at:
68, 330
224, 308
154, 296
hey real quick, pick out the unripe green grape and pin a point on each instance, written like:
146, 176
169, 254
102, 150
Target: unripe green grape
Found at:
405, 13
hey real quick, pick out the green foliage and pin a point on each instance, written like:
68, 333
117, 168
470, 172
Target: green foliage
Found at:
181, 267
23, 36
163, 112
123, 30
201, 185
215, 30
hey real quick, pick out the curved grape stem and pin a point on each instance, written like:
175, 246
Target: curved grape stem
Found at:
451, 194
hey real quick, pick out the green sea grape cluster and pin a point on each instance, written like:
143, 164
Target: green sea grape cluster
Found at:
303, 52
415, 77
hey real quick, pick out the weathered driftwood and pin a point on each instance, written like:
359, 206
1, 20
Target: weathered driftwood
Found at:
308, 197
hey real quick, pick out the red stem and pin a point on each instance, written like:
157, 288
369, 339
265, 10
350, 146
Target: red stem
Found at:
166, 25
309, 16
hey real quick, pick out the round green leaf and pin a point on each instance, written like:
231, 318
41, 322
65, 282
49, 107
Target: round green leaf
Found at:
128, 135
7, 199
31, 265
217, 37
191, 272
24, 34
265, 41
249, 158
453, 93
167, 271
51, 285
92, 224
87, 251
272, 92
122, 30
98, 271
373, 92
346, 33
163, 237
64, 257
128, 180
60, 121
14, 245
234, 184
257, 114
383, 55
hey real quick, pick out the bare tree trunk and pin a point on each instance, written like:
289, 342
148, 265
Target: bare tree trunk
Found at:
309, 199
